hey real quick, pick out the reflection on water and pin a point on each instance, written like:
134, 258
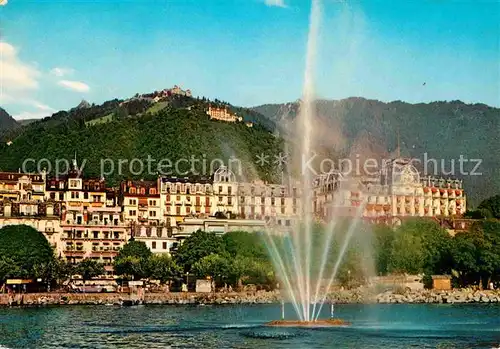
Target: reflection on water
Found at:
374, 326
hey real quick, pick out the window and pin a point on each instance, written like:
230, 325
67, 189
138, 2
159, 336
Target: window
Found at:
116, 235
73, 183
153, 245
72, 194
272, 201
282, 210
86, 195
229, 189
132, 190
178, 210
61, 185
131, 213
152, 191
53, 196
262, 200
220, 188
96, 234
229, 201
143, 191
287, 223
282, 201
220, 198
164, 245
61, 196
152, 213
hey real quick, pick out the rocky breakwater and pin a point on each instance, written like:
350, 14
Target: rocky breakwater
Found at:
435, 296
180, 298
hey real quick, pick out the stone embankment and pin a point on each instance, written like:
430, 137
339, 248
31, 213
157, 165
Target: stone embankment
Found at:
35, 299
359, 296
430, 296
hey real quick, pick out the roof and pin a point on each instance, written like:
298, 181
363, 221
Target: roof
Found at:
191, 179
15, 176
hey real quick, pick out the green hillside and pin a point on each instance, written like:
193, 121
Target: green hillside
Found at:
178, 131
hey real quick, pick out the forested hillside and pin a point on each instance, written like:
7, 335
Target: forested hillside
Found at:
180, 129
442, 130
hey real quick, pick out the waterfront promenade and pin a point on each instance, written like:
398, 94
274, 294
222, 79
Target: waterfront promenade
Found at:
358, 296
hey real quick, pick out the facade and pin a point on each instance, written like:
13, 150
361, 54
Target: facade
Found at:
158, 238
22, 186
140, 201
396, 192
82, 218
222, 114
219, 226
182, 197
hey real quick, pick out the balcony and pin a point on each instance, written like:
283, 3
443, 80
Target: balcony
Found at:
74, 252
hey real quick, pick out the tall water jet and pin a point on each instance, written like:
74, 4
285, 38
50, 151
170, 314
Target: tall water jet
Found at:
305, 123
293, 259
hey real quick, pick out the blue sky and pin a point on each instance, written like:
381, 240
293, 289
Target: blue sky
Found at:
248, 52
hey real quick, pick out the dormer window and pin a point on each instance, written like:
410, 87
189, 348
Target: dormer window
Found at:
143, 191
152, 191
132, 190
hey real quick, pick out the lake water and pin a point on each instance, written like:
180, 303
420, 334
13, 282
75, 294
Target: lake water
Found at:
235, 326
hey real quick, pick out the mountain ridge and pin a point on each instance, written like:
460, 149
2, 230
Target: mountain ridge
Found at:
440, 130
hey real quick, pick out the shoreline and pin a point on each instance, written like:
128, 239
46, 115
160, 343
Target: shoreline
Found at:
358, 296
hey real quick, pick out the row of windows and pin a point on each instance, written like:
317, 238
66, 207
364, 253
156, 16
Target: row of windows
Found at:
93, 235
153, 245
134, 212
142, 191
133, 202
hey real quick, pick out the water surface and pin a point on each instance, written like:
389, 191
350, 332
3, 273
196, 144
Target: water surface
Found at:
235, 326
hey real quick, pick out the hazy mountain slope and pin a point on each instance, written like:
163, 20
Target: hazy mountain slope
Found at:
7, 122
444, 131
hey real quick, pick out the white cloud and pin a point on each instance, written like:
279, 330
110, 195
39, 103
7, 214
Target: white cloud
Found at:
74, 85
276, 3
3, 2
15, 74
60, 71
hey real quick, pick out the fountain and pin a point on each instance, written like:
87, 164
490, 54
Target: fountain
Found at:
301, 276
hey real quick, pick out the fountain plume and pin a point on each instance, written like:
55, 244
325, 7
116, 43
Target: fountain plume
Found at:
301, 275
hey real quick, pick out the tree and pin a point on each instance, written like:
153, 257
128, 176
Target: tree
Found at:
491, 206
135, 249
245, 244
198, 245
214, 266
133, 260
8, 268
421, 246
24, 247
53, 272
88, 269
382, 246
162, 267
406, 254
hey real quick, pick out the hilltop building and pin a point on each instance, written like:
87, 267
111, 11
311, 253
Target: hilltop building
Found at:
222, 114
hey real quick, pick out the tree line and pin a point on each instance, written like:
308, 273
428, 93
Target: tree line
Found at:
417, 246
